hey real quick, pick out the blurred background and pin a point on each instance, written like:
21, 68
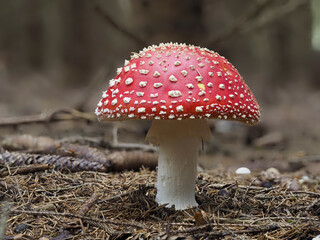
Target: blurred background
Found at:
61, 54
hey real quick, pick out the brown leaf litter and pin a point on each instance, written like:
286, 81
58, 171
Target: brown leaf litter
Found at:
96, 205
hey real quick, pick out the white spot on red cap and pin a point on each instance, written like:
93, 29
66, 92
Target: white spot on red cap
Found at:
144, 71
172, 78
115, 92
156, 74
199, 109
129, 81
177, 63
111, 83
104, 94
119, 70
221, 86
184, 73
114, 102
199, 78
143, 83
126, 99
141, 110
127, 68
179, 108
201, 93
190, 85
157, 85
174, 93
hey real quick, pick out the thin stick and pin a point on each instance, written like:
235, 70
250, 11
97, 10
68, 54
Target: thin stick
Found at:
278, 12
286, 218
257, 18
248, 188
26, 169
85, 208
55, 116
115, 25
241, 22
83, 218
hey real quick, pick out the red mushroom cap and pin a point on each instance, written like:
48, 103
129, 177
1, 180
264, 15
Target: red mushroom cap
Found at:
178, 81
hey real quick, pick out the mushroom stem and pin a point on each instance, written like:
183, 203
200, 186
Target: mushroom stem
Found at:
177, 170
179, 143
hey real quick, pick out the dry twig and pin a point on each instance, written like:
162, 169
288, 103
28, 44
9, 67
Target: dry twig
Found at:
240, 23
115, 25
25, 169
85, 208
258, 17
132, 160
55, 116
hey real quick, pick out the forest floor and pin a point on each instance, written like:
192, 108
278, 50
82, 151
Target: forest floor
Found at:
280, 199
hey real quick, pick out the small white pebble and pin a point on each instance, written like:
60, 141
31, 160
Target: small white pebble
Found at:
243, 171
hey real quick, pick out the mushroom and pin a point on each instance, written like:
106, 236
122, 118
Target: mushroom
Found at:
178, 86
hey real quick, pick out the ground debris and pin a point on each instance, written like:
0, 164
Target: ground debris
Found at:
122, 205
71, 156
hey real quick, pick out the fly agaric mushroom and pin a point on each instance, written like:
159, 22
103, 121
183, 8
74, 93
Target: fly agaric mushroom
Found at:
178, 86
